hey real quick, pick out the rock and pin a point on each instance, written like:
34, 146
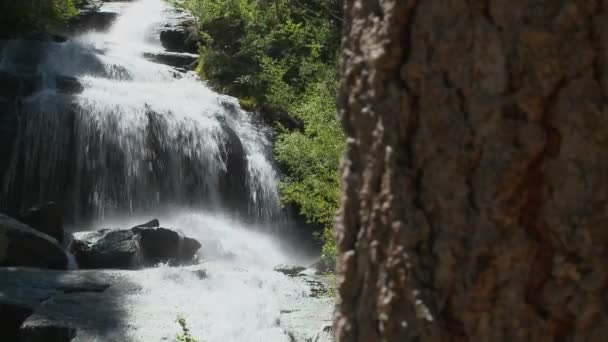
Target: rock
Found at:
151, 224
68, 85
174, 59
21, 245
29, 299
91, 21
45, 218
308, 321
134, 248
324, 266
25, 85
325, 334
233, 183
180, 38
118, 249
289, 270
164, 245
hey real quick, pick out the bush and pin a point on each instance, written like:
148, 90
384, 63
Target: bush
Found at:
185, 335
35, 14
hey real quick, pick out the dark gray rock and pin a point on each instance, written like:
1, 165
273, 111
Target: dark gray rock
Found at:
12, 85
48, 306
91, 21
134, 248
180, 38
21, 245
174, 59
151, 224
118, 249
45, 218
289, 270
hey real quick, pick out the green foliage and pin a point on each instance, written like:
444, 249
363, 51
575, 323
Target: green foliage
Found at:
36, 14
185, 335
280, 57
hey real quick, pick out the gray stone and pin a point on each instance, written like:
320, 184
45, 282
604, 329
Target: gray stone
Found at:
21, 245
174, 59
45, 218
133, 248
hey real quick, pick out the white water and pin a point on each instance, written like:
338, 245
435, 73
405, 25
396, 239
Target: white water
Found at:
242, 298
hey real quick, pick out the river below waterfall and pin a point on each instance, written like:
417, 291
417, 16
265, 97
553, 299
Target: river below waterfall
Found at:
120, 138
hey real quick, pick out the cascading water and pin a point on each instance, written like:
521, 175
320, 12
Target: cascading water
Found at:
139, 137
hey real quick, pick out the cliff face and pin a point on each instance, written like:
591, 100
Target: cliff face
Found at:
475, 179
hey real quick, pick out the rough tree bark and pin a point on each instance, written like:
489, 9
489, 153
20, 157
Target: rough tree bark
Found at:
475, 181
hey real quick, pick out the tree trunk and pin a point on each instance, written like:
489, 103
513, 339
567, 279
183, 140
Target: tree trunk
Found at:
475, 181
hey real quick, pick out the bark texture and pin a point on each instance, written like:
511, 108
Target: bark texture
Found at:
475, 181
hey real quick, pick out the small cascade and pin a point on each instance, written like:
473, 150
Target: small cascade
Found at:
103, 130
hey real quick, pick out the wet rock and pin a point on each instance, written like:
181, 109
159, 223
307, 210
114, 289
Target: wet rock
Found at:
233, 183
289, 270
174, 59
45, 218
25, 85
324, 266
91, 21
42, 330
49, 306
151, 224
21, 245
108, 249
325, 334
133, 248
180, 38
308, 322
164, 245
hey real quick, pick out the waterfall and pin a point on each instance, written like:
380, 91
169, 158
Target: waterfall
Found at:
103, 130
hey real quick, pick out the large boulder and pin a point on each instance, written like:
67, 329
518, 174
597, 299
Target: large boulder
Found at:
180, 38
133, 248
165, 245
21, 245
45, 218
12, 85
107, 249
174, 59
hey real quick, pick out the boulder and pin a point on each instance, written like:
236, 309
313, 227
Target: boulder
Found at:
118, 249
21, 245
45, 218
29, 299
174, 59
180, 38
133, 248
12, 85
151, 224
91, 21
289, 270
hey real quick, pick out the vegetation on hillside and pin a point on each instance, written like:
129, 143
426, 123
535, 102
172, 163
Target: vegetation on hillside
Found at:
280, 58
35, 14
